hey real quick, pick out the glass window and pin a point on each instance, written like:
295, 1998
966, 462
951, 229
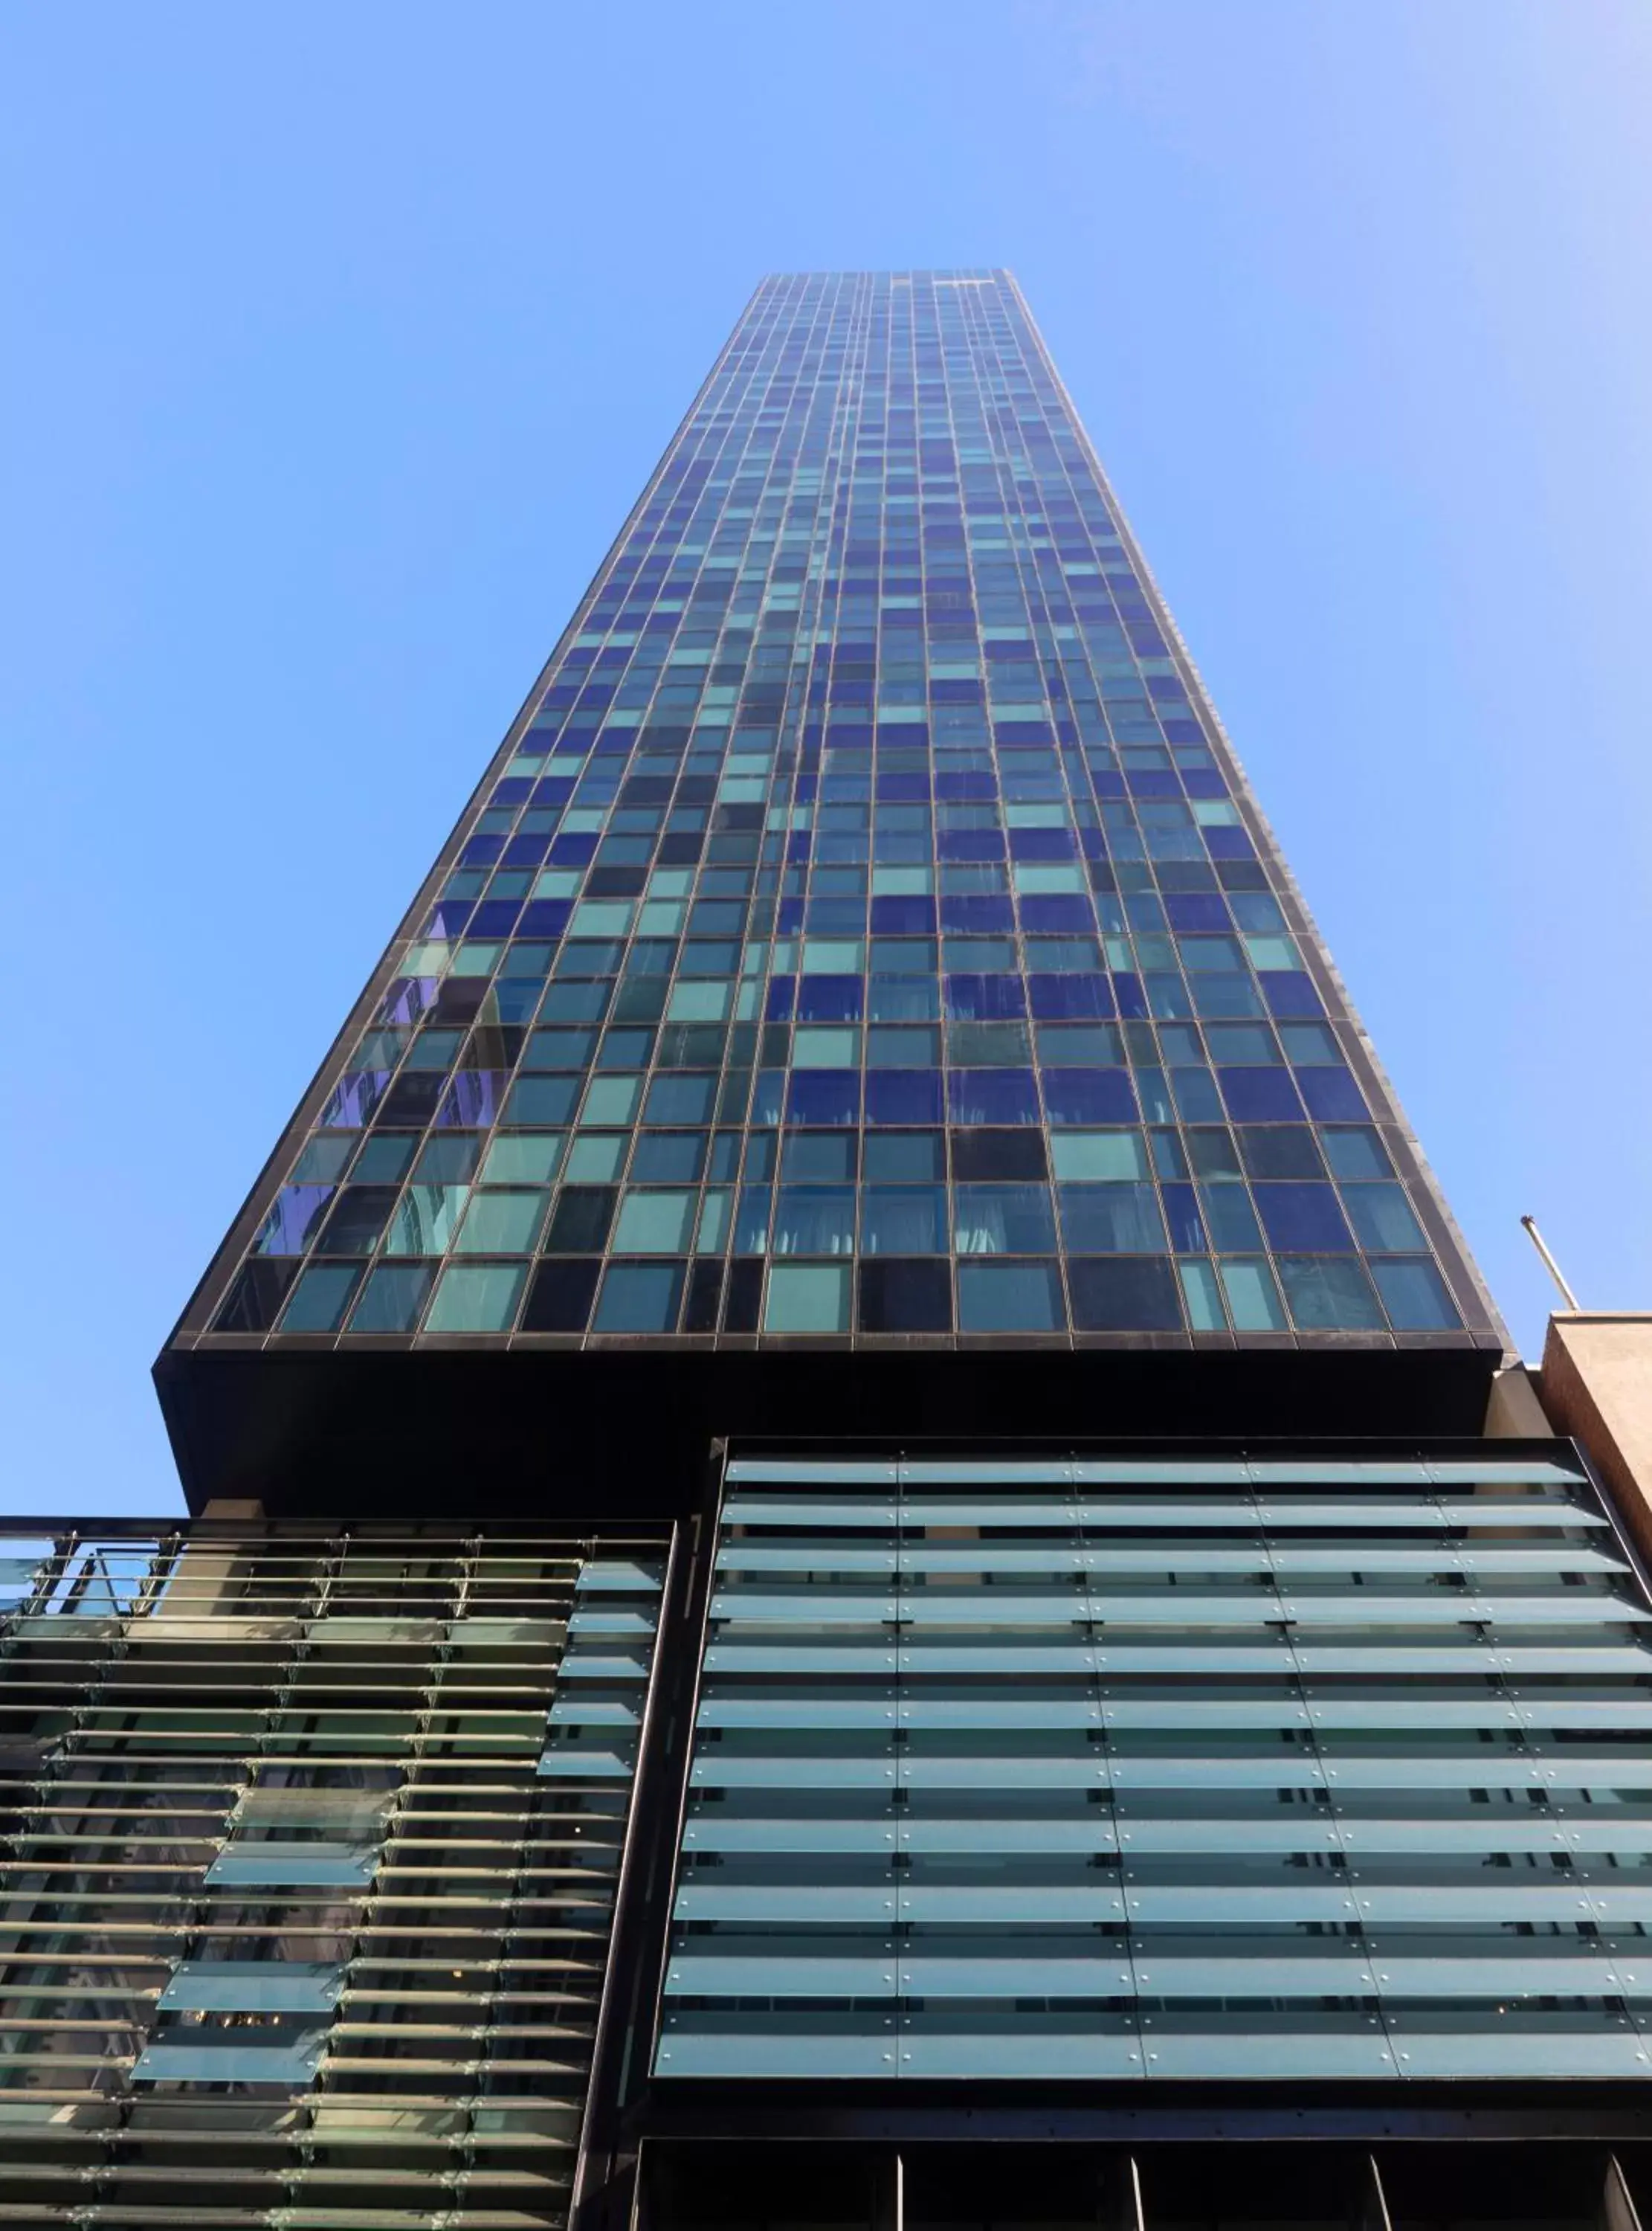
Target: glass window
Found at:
476, 1298
1082, 1096
807, 1298
324, 1158
560, 1297
992, 1096
1382, 1218
823, 1157
820, 1048
614, 1099
384, 1157
813, 1220
293, 1220
1303, 1218
640, 1298
391, 1298
523, 1158
317, 1301
1253, 1298
1327, 1294
1003, 1219
579, 1224
450, 1159
678, 1099
904, 999
1009, 1296
503, 1223
1129, 1295
1110, 1220
905, 1157
1201, 1297
903, 1220
1356, 1151
897, 1296
426, 1218
669, 1158
654, 1223
1098, 1155
1415, 1296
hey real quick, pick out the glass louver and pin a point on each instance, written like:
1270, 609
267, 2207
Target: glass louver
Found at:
1133, 1769
313, 1837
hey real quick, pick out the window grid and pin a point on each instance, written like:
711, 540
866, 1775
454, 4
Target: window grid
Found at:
867, 798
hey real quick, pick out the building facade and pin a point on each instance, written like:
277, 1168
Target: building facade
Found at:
847, 1560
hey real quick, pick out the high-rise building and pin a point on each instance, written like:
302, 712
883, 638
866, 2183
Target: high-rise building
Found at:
858, 1555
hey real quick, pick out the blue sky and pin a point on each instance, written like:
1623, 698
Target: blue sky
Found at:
341, 338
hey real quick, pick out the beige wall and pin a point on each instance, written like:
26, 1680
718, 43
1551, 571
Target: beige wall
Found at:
1597, 1384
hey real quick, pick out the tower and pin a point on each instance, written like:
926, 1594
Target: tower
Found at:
846, 1560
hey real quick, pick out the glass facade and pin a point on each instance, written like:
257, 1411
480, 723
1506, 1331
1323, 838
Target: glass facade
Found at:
311, 1838
1166, 1768
563, 1782
865, 930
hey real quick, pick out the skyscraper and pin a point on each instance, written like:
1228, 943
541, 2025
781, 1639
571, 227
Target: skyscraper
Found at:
846, 1561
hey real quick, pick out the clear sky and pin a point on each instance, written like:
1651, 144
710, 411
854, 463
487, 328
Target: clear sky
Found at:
340, 338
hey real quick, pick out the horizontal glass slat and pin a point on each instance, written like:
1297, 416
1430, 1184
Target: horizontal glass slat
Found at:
595, 1712
1273, 2052
1316, 1471
1536, 1832
621, 1574
1136, 1515
598, 1665
1570, 1771
1018, 1903
786, 1902
1022, 2055
1464, 2051
809, 1516
704, 1975
1543, 1974
1510, 1471
713, 1830
312, 1866
1281, 1972
808, 1554
1545, 1513
799, 1658
163, 2061
764, 2051
711, 1772
1286, 1771
1191, 1471
808, 1608
584, 1761
988, 1471
799, 1710
1312, 1833
254, 1987
807, 1471
1517, 1661
990, 1836
600, 1619
1008, 1977
1088, 1773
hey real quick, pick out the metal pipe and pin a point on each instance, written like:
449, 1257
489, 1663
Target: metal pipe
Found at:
1549, 1263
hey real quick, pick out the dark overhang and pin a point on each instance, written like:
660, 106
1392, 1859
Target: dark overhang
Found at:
622, 1432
